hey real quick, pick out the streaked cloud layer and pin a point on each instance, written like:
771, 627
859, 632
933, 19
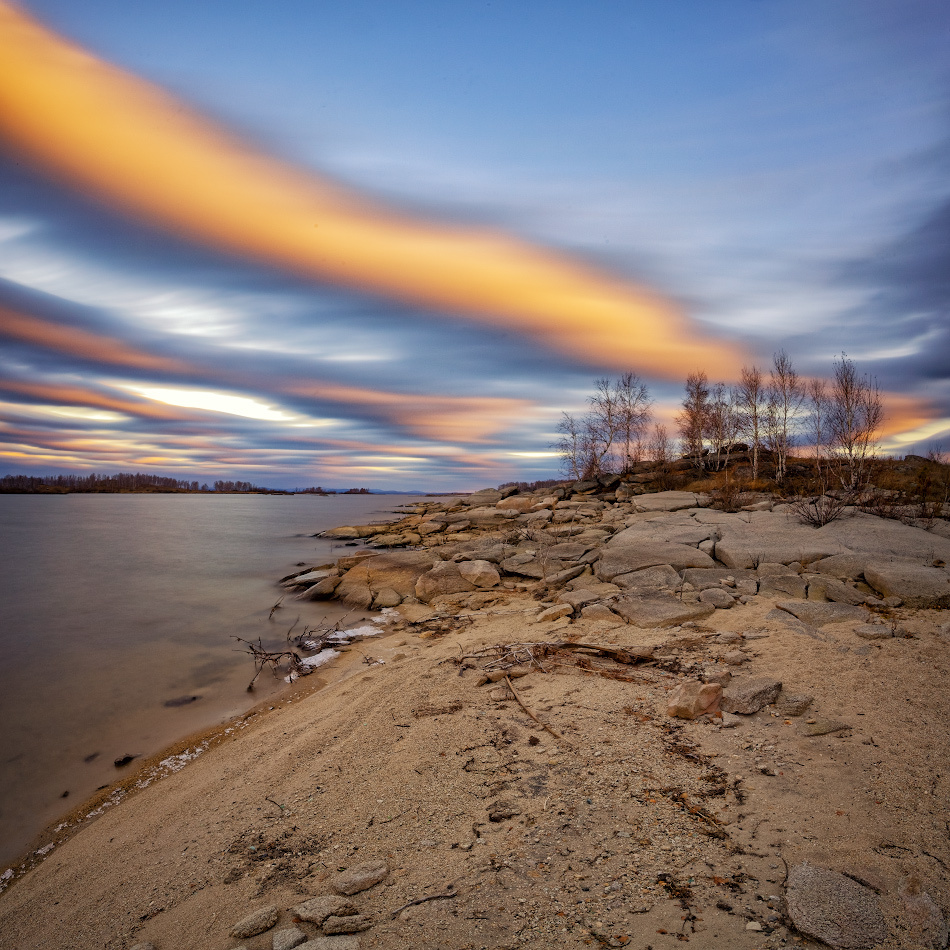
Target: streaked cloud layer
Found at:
401, 307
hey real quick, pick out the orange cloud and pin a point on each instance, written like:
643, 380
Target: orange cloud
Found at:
82, 343
440, 418
124, 140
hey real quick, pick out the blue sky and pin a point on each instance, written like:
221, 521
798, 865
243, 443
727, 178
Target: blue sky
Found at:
746, 176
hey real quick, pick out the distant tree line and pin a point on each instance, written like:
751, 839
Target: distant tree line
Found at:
121, 482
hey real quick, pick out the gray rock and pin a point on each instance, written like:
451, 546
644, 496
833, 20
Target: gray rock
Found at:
347, 925
649, 579
926, 923
564, 575
830, 588
289, 938
256, 923
360, 877
317, 909
824, 727
746, 697
625, 553
874, 631
554, 613
386, 597
819, 615
717, 597
669, 501
735, 658
487, 496
569, 550
659, 610
322, 590
442, 580
843, 566
793, 705
480, 573
828, 906
790, 584
916, 585
578, 598
398, 570
598, 612
351, 942
702, 578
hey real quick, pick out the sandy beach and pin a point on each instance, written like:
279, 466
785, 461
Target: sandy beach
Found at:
629, 828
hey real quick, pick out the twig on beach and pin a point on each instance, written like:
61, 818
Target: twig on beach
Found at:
282, 808
543, 725
273, 659
449, 892
275, 608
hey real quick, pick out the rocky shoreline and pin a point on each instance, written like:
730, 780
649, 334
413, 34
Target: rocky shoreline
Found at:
602, 718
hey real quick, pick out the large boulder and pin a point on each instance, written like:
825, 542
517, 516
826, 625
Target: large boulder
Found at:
669, 501
649, 579
833, 908
819, 615
916, 585
629, 551
396, 570
749, 696
659, 610
479, 573
441, 581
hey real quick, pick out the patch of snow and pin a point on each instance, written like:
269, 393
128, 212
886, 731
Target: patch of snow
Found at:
46, 849
324, 656
6, 874
366, 631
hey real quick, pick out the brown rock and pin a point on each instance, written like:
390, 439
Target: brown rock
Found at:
830, 907
360, 877
443, 579
317, 909
480, 573
346, 925
692, 699
746, 697
256, 923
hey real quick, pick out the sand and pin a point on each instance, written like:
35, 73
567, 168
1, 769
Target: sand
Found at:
638, 830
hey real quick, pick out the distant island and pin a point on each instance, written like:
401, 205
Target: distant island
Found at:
125, 482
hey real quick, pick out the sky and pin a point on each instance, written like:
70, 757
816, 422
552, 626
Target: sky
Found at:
387, 245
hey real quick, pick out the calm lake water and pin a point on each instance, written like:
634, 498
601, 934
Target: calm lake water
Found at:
111, 605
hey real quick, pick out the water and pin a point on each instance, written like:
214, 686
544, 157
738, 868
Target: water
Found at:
111, 605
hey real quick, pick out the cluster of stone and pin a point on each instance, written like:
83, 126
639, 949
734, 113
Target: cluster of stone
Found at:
605, 549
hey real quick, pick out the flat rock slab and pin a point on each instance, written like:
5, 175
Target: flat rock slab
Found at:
790, 584
817, 614
289, 938
916, 585
874, 631
828, 906
649, 579
317, 909
703, 577
256, 923
745, 697
659, 610
360, 877
625, 553
350, 942
824, 727
669, 501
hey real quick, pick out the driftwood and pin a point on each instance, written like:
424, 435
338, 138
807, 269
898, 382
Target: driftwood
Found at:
449, 892
543, 725
628, 656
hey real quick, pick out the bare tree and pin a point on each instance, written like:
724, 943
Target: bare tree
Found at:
752, 400
659, 448
818, 419
635, 409
694, 419
571, 445
608, 436
856, 412
786, 393
722, 423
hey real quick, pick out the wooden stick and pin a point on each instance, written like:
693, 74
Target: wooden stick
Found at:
543, 725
